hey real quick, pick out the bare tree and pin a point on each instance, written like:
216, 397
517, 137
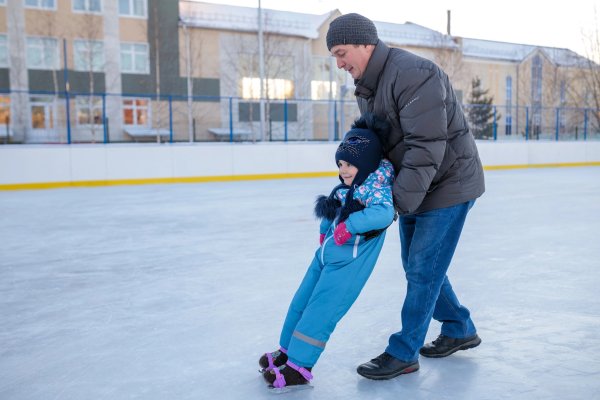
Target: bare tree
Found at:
49, 27
49, 32
238, 60
19, 81
242, 54
157, 41
91, 32
590, 75
450, 59
198, 113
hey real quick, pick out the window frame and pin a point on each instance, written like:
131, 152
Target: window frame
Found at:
86, 9
3, 50
48, 105
4, 111
135, 108
133, 53
278, 86
130, 8
44, 40
39, 5
100, 53
82, 102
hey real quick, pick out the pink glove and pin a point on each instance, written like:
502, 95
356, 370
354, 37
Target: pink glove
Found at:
341, 234
321, 238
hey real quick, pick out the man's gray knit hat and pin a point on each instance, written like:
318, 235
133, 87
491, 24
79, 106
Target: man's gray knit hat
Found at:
351, 29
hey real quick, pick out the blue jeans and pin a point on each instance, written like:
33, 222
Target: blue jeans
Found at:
428, 241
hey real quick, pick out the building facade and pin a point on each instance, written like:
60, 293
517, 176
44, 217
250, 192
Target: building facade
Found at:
130, 70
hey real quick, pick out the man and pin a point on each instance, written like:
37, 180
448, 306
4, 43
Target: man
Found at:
439, 176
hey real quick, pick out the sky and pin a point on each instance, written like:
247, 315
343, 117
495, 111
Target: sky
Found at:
564, 24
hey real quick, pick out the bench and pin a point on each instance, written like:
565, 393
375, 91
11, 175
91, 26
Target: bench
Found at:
147, 133
224, 133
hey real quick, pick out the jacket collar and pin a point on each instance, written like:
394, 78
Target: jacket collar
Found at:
365, 86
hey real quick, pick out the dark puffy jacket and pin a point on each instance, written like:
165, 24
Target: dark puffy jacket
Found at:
431, 148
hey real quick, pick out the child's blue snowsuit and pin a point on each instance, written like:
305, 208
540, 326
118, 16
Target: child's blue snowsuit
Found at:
337, 274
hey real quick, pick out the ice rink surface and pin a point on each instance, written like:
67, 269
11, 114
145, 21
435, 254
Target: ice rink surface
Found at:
174, 291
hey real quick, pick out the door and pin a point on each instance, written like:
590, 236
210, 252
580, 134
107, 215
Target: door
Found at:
43, 117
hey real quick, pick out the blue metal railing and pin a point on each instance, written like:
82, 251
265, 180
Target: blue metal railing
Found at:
235, 119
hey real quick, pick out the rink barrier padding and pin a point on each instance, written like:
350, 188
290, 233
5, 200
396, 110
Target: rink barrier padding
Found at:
233, 178
547, 165
162, 181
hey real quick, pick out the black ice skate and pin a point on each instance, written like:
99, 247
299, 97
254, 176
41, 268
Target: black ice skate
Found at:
268, 361
288, 377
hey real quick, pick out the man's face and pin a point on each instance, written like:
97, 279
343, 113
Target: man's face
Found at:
352, 58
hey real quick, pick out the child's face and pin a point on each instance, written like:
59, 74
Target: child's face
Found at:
347, 171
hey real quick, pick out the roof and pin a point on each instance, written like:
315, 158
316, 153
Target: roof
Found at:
245, 19
517, 52
411, 34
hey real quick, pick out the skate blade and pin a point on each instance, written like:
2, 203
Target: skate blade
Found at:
288, 389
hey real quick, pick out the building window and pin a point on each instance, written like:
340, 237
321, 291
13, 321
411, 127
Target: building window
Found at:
274, 88
250, 112
89, 55
43, 4
279, 71
88, 110
563, 102
563, 93
320, 90
536, 79
4, 113
134, 58
87, 6
508, 118
136, 112
42, 112
3, 52
42, 53
132, 8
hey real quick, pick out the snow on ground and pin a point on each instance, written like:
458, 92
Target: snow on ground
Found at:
174, 291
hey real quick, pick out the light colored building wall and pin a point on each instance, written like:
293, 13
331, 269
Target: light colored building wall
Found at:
204, 53
493, 78
319, 46
3, 16
133, 29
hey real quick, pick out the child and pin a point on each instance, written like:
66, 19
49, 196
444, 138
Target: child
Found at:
353, 222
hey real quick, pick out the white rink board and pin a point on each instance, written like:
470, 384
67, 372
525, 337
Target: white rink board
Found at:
22, 164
